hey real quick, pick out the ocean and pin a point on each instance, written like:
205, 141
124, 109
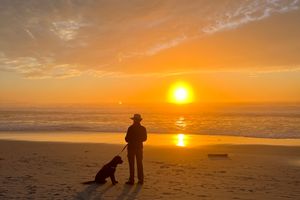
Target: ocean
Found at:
250, 120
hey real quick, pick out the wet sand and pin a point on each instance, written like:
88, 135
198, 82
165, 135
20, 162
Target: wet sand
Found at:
171, 140
52, 170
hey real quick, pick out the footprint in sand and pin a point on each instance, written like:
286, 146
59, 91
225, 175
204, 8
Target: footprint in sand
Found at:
164, 166
31, 189
157, 162
220, 172
178, 170
202, 195
177, 189
24, 160
92, 165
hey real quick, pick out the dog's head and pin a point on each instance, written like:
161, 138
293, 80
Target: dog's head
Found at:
117, 160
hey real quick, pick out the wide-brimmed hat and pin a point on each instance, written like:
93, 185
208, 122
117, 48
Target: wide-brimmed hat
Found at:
136, 117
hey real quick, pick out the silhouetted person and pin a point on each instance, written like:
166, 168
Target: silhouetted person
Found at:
136, 135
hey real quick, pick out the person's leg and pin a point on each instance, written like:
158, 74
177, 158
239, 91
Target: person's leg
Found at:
139, 162
131, 156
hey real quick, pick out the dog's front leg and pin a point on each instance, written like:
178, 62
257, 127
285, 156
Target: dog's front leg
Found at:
113, 179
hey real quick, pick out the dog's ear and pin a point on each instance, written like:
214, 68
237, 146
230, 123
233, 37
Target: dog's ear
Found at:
118, 159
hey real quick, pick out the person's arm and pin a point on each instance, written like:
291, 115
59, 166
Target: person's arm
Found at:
127, 135
144, 138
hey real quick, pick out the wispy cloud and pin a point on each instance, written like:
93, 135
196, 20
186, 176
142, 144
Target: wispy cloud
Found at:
67, 30
32, 68
249, 11
48, 38
166, 45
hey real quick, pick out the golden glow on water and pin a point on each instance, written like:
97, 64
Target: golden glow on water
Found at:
180, 123
175, 140
181, 140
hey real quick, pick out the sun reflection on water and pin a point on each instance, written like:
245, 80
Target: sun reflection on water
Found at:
180, 123
181, 140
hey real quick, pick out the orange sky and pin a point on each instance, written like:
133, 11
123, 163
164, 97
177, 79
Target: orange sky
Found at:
71, 52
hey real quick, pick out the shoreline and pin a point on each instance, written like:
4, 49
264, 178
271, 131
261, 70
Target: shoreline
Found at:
154, 139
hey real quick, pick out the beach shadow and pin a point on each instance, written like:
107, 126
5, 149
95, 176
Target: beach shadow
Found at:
89, 190
135, 192
127, 194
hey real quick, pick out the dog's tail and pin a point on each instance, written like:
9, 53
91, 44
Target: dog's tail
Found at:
88, 182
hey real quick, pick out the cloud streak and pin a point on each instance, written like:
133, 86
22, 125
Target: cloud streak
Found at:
67, 30
251, 11
32, 68
67, 38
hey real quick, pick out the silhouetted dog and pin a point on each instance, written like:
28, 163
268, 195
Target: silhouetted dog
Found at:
106, 171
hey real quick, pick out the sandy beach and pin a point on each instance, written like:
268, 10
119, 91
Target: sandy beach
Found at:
55, 170
204, 95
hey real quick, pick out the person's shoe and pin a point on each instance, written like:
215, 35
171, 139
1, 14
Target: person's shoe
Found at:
130, 183
141, 182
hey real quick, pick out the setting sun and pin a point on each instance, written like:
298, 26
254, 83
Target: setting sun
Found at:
181, 93
197, 99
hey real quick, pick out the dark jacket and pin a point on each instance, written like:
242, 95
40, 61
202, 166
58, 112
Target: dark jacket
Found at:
136, 135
